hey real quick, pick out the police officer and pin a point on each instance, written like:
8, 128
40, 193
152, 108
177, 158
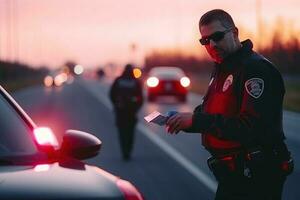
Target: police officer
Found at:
240, 117
127, 98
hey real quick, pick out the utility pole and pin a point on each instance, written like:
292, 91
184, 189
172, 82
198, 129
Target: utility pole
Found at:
133, 48
259, 28
1, 31
178, 25
8, 30
15, 15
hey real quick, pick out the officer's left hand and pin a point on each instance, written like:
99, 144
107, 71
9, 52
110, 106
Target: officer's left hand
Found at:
179, 121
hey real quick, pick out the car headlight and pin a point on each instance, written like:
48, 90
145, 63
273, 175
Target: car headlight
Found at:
152, 81
185, 81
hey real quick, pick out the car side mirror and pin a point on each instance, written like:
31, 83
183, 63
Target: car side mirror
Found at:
80, 145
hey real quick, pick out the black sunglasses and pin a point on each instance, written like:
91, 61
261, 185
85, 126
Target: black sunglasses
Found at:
216, 37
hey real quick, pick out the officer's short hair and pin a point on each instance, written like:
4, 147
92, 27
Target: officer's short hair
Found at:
217, 15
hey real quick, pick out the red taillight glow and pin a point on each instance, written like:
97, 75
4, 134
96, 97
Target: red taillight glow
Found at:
129, 191
152, 81
44, 136
185, 81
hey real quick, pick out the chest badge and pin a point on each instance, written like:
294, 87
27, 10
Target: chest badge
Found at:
227, 83
254, 87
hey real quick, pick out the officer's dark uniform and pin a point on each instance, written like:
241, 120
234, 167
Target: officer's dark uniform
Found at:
241, 124
127, 98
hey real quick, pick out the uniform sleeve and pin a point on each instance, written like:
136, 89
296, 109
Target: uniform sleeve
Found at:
193, 129
256, 100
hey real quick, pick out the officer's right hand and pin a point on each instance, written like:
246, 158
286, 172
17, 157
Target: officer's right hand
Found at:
178, 122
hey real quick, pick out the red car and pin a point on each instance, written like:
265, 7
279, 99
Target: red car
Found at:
170, 81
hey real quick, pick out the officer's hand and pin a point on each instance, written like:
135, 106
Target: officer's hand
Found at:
179, 122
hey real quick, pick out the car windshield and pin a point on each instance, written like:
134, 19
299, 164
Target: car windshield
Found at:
15, 137
167, 72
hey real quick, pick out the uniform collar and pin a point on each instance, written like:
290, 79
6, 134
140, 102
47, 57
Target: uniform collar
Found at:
233, 59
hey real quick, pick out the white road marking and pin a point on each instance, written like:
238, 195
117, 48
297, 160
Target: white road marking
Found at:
172, 152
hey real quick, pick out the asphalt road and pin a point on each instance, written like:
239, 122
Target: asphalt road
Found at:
163, 166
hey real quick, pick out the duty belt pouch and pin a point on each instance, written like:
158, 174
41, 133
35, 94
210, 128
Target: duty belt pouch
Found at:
222, 167
285, 162
261, 164
287, 167
257, 163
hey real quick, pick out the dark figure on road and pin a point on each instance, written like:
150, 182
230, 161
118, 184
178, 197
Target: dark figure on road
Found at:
240, 117
127, 98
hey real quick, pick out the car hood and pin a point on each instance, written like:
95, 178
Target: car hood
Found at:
70, 180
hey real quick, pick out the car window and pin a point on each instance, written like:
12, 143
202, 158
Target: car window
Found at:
167, 72
15, 137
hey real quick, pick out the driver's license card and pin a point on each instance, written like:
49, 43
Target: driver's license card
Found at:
156, 118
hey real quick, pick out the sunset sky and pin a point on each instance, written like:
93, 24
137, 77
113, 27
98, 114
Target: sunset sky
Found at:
95, 32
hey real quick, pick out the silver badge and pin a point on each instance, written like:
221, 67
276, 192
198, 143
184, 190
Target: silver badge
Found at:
227, 83
254, 87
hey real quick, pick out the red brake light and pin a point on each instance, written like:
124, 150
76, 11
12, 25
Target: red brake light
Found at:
129, 191
44, 136
152, 81
185, 81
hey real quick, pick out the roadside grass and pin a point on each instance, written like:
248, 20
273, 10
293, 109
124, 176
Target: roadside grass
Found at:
17, 84
292, 96
291, 101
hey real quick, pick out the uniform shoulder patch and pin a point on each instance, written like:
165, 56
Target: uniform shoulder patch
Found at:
254, 87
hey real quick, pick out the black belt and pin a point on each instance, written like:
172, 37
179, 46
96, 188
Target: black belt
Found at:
279, 151
225, 152
227, 161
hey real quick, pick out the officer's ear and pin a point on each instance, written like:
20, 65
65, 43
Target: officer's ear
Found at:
235, 32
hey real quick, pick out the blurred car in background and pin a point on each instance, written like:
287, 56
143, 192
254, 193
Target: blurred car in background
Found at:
165, 80
34, 166
56, 79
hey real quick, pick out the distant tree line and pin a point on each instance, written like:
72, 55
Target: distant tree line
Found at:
13, 75
285, 55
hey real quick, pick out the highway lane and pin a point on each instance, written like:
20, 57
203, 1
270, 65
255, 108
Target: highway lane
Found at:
155, 169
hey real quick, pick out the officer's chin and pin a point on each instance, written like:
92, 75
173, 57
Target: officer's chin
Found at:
216, 57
